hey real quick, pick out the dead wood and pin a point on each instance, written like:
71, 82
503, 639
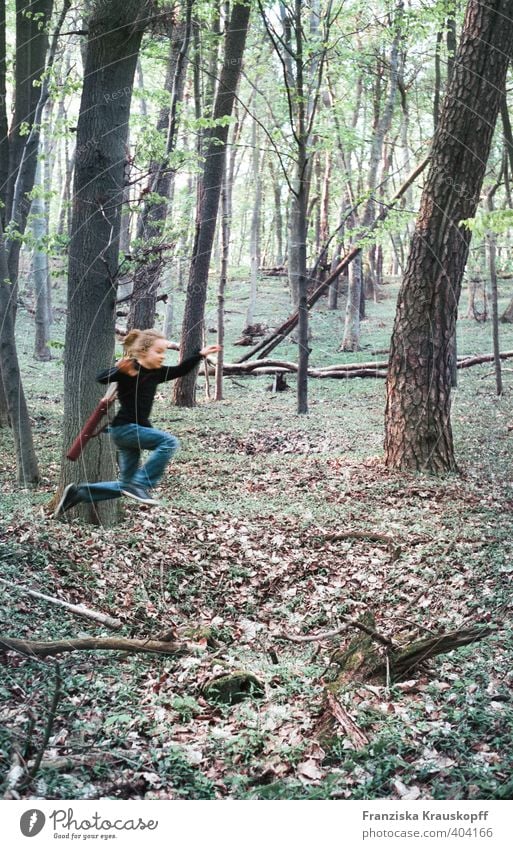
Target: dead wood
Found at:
360, 661
339, 371
373, 536
233, 687
466, 362
40, 648
404, 662
364, 626
78, 609
277, 336
334, 720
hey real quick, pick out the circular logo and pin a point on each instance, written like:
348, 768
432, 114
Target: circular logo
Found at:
31, 822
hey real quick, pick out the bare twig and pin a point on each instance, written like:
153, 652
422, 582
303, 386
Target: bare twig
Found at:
326, 635
48, 728
78, 609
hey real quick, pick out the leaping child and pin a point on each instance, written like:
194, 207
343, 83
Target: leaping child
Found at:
137, 375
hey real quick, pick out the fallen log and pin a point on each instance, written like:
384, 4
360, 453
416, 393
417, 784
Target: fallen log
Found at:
42, 648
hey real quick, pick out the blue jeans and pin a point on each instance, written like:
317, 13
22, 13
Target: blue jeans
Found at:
130, 440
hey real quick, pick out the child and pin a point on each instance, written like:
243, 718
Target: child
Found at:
137, 375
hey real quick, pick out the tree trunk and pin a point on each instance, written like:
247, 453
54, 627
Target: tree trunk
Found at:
151, 224
278, 218
40, 272
492, 252
32, 18
4, 140
351, 340
26, 462
225, 246
210, 189
254, 240
114, 37
418, 432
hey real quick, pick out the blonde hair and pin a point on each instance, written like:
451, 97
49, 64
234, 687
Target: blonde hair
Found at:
139, 341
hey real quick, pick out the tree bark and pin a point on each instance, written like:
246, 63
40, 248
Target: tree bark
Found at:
418, 432
215, 154
4, 140
114, 37
10, 377
351, 340
155, 212
40, 272
31, 46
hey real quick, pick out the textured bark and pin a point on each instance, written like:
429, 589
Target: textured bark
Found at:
31, 46
114, 37
153, 218
215, 154
418, 431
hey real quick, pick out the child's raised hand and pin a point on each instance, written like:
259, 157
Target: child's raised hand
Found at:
126, 365
210, 349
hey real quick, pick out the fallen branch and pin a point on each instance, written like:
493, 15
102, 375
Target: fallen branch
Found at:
78, 609
48, 729
349, 726
277, 336
466, 362
340, 371
373, 536
326, 635
40, 648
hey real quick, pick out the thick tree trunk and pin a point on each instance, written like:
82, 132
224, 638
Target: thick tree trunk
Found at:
210, 189
114, 37
418, 431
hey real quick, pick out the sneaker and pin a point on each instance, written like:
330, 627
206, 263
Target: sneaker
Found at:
70, 497
132, 490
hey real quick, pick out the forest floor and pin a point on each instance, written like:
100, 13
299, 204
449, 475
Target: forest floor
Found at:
242, 556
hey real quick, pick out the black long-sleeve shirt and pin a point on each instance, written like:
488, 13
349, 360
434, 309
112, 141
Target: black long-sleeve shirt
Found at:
136, 394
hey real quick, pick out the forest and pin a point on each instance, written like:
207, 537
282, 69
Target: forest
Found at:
317, 197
